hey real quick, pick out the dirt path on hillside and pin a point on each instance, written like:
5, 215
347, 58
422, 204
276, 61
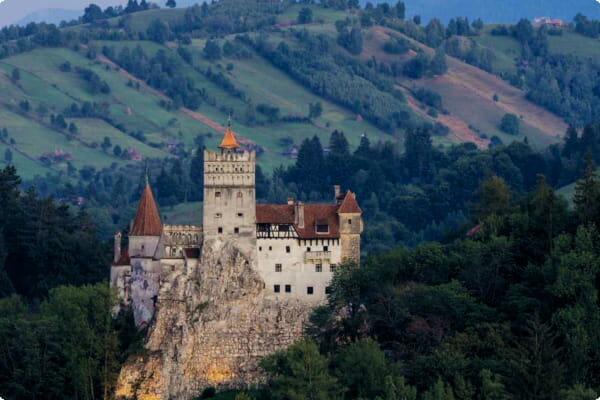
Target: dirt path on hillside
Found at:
459, 130
480, 85
193, 114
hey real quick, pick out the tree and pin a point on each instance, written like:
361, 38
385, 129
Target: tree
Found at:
16, 74
587, 193
400, 10
362, 368
535, 362
106, 144
492, 387
8, 156
351, 40
171, 3
494, 199
92, 13
158, 31
212, 50
132, 6
418, 66
305, 16
510, 124
315, 110
73, 128
300, 373
438, 64
117, 151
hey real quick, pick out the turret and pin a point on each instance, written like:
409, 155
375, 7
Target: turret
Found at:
146, 227
351, 226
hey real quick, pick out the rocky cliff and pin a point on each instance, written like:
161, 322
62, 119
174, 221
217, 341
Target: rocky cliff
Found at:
211, 328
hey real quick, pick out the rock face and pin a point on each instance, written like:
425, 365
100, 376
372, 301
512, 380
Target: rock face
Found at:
212, 326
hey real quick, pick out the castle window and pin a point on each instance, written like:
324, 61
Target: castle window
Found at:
220, 230
308, 249
236, 230
309, 290
322, 228
240, 214
270, 248
318, 267
325, 248
276, 288
218, 215
278, 267
287, 249
259, 248
288, 288
332, 268
217, 194
349, 222
283, 228
239, 194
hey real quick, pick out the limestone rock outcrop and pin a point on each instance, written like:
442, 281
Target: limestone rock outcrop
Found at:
211, 327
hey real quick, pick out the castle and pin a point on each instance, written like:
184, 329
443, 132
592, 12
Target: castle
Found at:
294, 248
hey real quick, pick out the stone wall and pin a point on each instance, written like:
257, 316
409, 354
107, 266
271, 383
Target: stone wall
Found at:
212, 326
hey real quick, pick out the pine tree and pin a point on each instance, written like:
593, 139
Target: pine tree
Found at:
587, 193
171, 3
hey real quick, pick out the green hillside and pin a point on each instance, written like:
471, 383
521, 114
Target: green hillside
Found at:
150, 123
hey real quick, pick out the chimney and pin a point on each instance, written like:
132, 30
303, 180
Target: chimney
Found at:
299, 214
336, 193
117, 246
290, 201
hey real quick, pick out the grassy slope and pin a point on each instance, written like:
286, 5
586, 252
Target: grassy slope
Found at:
461, 88
139, 110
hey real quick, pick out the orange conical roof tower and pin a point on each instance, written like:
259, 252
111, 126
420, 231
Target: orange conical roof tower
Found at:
146, 222
229, 142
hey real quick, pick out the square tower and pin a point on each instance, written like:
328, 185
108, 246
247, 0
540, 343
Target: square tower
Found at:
229, 211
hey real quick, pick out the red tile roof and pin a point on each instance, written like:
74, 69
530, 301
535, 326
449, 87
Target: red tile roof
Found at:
146, 222
275, 214
349, 204
124, 259
313, 213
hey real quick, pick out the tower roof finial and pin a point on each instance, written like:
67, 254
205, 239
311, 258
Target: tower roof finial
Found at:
229, 142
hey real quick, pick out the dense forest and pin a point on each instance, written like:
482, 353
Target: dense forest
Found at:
477, 281
508, 310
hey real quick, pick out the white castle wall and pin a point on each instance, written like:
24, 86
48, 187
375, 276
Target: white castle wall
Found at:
297, 269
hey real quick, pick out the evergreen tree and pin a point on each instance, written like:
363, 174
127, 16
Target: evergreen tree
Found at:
197, 173
305, 16
16, 74
212, 50
587, 193
171, 3
300, 373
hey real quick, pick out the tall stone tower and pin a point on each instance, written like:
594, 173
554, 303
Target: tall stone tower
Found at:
351, 226
229, 212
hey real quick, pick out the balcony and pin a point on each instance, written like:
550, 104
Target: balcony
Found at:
311, 256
